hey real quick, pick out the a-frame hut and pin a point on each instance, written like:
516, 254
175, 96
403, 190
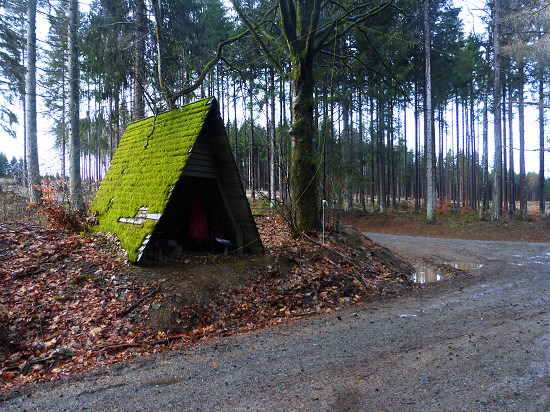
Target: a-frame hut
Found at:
173, 183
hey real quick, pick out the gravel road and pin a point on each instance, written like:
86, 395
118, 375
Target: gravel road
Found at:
475, 343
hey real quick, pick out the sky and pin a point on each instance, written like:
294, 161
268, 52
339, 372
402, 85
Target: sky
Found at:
50, 162
472, 13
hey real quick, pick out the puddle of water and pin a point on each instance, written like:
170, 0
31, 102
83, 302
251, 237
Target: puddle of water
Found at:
424, 274
427, 274
464, 265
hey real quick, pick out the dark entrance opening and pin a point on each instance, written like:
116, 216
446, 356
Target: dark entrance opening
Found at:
195, 221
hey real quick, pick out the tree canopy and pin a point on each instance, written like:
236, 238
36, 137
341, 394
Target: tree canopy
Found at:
322, 100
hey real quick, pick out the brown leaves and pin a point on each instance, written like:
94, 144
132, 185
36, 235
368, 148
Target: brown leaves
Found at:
59, 299
57, 216
66, 304
322, 279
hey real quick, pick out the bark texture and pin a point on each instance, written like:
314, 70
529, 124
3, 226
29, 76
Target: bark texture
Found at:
542, 203
302, 133
497, 187
77, 201
139, 60
30, 103
300, 20
428, 119
521, 115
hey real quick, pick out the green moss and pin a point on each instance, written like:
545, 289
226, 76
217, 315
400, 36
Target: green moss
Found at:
144, 170
77, 280
238, 266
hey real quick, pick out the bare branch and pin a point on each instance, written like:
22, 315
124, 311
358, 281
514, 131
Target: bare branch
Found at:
400, 88
344, 58
313, 25
157, 12
288, 16
256, 32
207, 68
349, 21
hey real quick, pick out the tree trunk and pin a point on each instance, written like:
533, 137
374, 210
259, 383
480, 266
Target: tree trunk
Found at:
283, 146
162, 58
474, 160
64, 129
30, 103
380, 154
391, 163
236, 154
497, 187
416, 150
77, 201
459, 191
272, 138
24, 98
521, 116
485, 161
373, 162
251, 176
348, 150
512, 186
463, 165
428, 119
362, 159
139, 60
542, 203
504, 154
440, 166
302, 134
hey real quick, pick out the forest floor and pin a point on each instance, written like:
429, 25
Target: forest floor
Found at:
477, 341
452, 226
70, 303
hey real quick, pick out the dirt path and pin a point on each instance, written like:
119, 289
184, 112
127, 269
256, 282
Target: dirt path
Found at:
479, 342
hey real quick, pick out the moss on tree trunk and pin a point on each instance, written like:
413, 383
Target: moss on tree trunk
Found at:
303, 177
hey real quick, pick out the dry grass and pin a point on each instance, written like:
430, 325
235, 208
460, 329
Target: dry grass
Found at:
14, 203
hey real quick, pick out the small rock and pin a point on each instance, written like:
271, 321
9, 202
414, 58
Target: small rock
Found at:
484, 401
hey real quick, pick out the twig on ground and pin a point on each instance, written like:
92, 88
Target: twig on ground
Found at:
122, 345
349, 259
168, 339
138, 302
57, 357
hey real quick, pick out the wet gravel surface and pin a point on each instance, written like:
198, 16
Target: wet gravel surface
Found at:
474, 343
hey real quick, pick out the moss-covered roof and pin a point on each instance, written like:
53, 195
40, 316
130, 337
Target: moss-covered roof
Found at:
144, 170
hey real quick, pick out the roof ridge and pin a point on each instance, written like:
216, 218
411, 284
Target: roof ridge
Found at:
209, 100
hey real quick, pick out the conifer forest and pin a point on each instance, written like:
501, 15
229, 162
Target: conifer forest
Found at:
178, 175
378, 105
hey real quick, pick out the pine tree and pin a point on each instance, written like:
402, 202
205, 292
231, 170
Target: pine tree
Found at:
139, 60
77, 200
30, 89
497, 186
306, 30
55, 78
428, 118
12, 71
